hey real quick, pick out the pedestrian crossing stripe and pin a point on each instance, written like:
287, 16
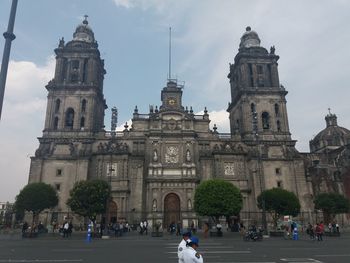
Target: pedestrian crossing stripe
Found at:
301, 260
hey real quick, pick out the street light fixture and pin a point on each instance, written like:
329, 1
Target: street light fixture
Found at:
259, 172
110, 169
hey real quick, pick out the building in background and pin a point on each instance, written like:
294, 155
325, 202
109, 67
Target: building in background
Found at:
156, 163
6, 211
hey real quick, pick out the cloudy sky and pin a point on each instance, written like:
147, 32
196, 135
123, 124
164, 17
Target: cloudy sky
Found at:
312, 38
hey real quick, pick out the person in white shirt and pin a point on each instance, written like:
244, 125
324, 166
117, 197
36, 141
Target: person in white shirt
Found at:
190, 254
183, 245
141, 227
145, 227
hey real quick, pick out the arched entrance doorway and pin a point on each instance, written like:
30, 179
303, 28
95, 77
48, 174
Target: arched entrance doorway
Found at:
171, 210
112, 212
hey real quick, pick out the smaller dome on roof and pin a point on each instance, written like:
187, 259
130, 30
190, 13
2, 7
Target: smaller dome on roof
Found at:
249, 39
332, 137
83, 32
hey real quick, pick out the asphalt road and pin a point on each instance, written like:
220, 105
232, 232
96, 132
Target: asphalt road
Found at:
135, 248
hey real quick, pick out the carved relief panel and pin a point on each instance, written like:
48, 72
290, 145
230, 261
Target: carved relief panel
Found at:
234, 170
112, 169
229, 169
172, 154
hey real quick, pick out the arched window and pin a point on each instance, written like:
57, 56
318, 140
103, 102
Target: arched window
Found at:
277, 109
57, 105
69, 118
74, 77
278, 126
83, 105
265, 120
55, 123
252, 107
82, 122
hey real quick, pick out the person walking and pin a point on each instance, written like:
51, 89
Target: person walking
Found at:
183, 245
145, 226
322, 230
318, 232
65, 229
178, 228
70, 229
310, 231
24, 228
141, 228
190, 254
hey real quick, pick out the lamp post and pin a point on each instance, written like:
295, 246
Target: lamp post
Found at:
9, 36
259, 172
110, 169
109, 176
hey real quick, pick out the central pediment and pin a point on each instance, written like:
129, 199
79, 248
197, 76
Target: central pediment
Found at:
172, 116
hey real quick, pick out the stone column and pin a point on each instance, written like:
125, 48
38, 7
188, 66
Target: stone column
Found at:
274, 75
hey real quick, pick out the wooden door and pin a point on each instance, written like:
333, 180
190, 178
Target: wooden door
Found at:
171, 210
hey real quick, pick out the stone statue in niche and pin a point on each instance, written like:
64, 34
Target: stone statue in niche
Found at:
188, 156
154, 205
189, 204
155, 156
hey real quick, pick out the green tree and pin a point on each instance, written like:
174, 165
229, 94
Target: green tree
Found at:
331, 204
279, 202
36, 197
89, 198
217, 198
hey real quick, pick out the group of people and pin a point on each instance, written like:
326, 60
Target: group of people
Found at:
333, 227
178, 227
143, 227
187, 249
315, 232
34, 228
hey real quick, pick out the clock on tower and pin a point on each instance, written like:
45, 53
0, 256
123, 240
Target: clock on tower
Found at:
171, 101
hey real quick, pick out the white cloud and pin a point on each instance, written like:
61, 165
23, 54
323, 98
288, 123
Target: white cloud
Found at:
22, 121
124, 3
310, 38
158, 5
220, 118
121, 126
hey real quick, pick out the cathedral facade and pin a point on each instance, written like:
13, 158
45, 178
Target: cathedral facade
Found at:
154, 165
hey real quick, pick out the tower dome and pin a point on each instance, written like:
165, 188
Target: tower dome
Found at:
332, 137
83, 32
249, 39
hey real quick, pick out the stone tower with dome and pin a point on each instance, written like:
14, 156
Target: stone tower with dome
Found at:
328, 163
330, 138
155, 164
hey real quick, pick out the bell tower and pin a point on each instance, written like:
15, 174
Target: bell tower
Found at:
256, 91
171, 96
75, 100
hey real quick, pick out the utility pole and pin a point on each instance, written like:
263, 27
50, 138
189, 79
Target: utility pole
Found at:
9, 36
259, 172
114, 121
110, 170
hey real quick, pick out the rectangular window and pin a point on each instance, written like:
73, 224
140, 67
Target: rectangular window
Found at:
75, 64
278, 171
251, 75
260, 69
279, 184
59, 172
58, 187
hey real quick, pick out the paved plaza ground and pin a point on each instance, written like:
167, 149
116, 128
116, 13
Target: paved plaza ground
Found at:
136, 248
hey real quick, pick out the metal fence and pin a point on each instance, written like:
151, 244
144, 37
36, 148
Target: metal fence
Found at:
186, 218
